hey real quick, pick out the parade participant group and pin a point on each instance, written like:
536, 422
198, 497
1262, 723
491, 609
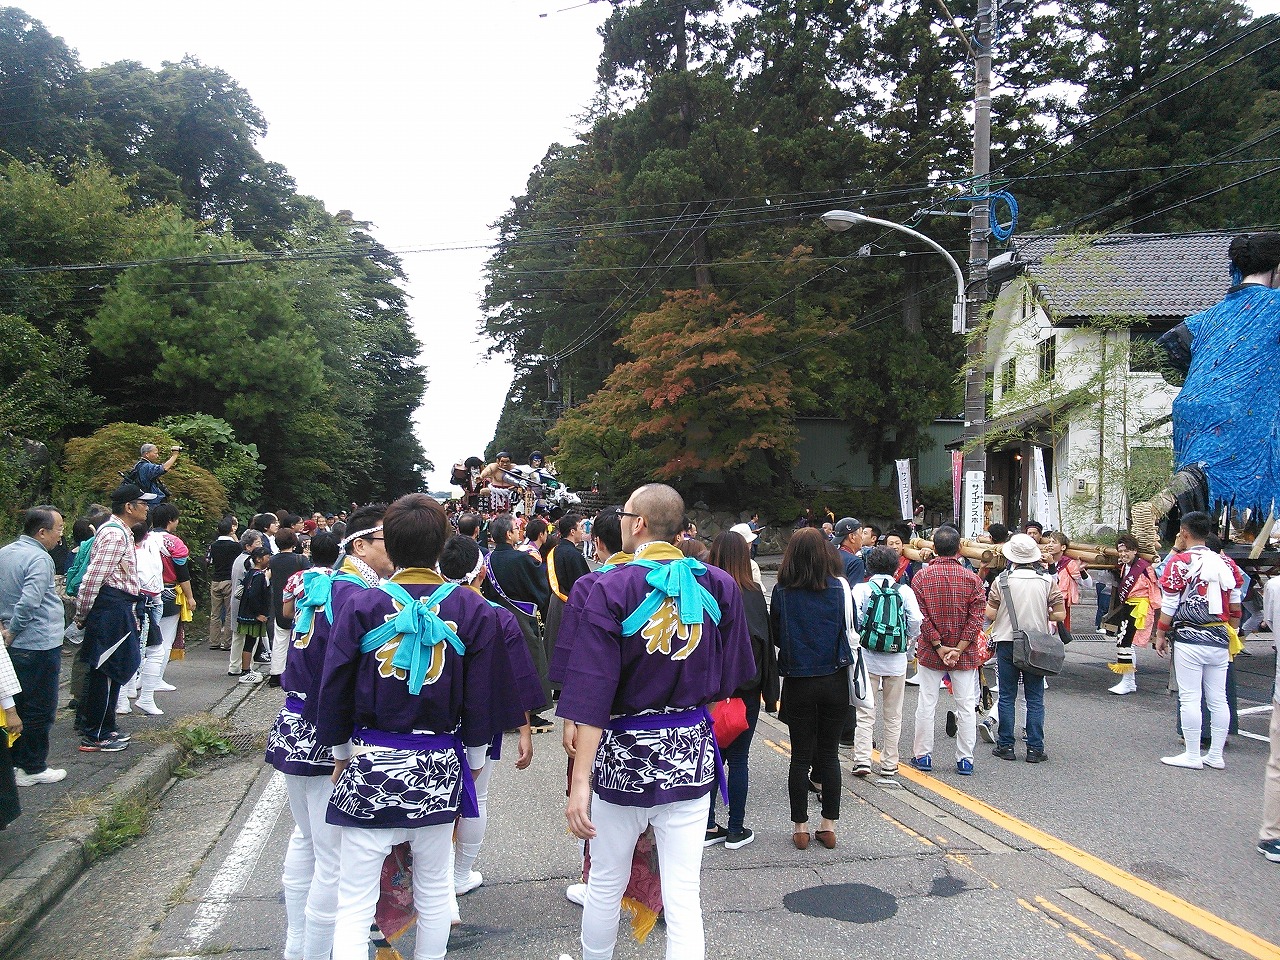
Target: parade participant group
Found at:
417, 637
410, 639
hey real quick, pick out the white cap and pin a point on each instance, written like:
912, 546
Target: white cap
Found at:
744, 531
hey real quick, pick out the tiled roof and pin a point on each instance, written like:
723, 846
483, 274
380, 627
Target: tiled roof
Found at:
1165, 276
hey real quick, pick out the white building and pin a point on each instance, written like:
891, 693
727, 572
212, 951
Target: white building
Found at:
1073, 370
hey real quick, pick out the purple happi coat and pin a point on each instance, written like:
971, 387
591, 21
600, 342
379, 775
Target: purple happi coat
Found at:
401, 776
665, 667
292, 746
569, 618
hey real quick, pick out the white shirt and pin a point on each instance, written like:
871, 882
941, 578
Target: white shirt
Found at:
150, 566
888, 664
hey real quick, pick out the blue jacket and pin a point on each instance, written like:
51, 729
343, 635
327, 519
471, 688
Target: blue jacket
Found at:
29, 603
808, 628
854, 568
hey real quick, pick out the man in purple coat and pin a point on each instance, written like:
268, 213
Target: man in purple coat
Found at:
409, 683
312, 862
658, 639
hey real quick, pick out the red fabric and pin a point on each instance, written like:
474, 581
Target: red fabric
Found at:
394, 913
952, 601
730, 718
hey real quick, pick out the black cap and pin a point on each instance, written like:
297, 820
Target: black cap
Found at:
845, 527
127, 493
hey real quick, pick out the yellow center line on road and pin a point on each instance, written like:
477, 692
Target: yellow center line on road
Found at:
1230, 934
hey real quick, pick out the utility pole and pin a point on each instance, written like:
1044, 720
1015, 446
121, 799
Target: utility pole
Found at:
975, 387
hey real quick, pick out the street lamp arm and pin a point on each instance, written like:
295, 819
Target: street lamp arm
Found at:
843, 219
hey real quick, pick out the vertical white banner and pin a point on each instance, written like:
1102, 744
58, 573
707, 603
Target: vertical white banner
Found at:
1042, 503
904, 488
975, 490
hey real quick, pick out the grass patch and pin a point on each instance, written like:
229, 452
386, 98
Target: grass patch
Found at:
200, 736
121, 825
70, 809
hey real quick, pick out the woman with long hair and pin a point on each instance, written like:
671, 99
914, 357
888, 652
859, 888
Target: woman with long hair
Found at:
729, 552
807, 617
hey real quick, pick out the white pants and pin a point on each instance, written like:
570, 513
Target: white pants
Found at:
1202, 668
363, 851
168, 634
311, 867
964, 687
280, 641
470, 833
888, 691
679, 828
1271, 605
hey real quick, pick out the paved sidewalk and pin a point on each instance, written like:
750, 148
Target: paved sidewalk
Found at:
43, 851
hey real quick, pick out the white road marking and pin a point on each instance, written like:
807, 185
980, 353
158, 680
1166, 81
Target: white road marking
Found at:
238, 865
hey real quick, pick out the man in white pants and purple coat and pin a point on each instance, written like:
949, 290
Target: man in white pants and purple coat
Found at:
659, 639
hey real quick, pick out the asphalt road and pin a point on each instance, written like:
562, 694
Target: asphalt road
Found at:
1101, 853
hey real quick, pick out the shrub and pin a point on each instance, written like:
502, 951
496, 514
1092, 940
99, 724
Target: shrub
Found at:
93, 465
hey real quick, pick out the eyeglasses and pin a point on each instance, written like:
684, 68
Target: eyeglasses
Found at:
375, 538
623, 513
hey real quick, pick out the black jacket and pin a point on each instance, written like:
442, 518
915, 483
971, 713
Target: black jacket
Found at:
520, 576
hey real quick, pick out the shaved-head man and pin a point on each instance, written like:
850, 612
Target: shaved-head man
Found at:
648, 656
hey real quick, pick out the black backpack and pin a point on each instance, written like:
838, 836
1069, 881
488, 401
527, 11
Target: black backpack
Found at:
132, 475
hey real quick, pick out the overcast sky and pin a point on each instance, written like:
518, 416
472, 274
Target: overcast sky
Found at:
421, 116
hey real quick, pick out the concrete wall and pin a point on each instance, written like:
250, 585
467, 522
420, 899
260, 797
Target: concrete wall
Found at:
825, 460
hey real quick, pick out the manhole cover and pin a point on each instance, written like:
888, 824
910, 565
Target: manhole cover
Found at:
851, 902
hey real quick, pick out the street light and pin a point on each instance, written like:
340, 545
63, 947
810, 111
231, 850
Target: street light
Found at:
838, 221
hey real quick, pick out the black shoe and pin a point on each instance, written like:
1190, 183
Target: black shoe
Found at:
1036, 756
737, 840
540, 724
951, 723
273, 680
1004, 753
716, 834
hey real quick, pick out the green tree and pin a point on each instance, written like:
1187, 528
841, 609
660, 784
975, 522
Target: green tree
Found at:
43, 94
93, 466
188, 132
212, 442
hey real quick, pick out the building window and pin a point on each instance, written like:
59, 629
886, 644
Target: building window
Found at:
1048, 358
1008, 375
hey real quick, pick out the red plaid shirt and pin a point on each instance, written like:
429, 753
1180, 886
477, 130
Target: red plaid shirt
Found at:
952, 601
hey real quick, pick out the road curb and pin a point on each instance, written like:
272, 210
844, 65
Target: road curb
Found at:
52, 867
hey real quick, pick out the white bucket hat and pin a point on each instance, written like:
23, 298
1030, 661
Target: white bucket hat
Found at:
744, 531
1021, 548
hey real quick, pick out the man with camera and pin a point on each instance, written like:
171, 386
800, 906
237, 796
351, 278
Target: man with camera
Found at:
149, 469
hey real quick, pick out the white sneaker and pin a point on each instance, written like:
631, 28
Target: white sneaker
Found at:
576, 893
1191, 761
165, 687
1128, 684
253, 676
474, 879
48, 775
987, 730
